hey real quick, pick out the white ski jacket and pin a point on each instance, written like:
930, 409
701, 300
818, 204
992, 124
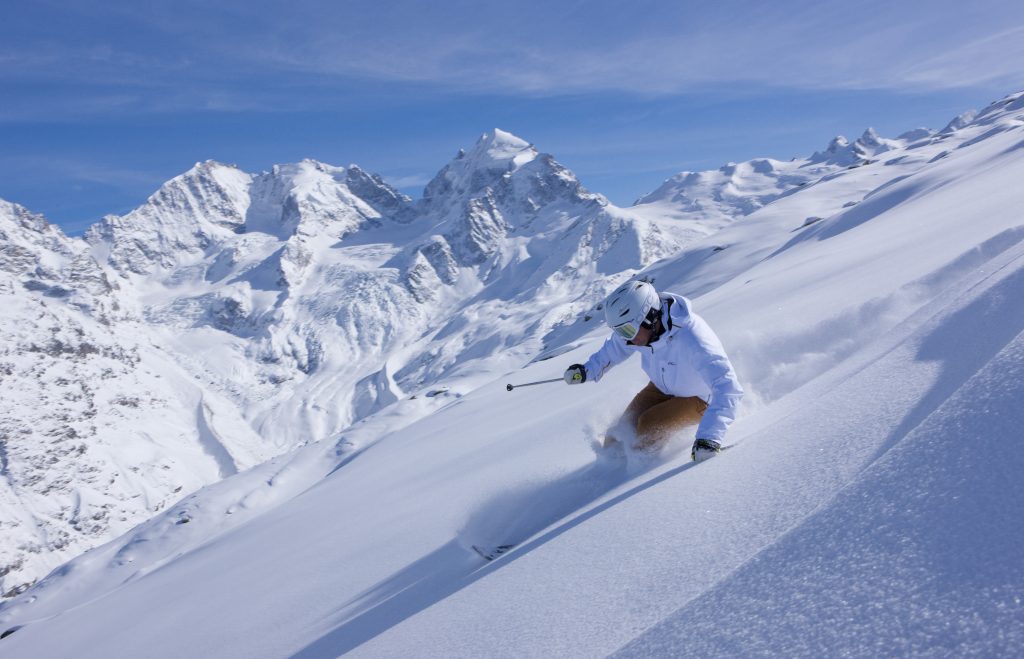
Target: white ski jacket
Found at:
687, 360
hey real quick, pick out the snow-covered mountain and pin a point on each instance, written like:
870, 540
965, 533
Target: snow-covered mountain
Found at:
323, 284
99, 428
875, 317
735, 190
262, 312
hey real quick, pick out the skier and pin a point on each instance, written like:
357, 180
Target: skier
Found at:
692, 380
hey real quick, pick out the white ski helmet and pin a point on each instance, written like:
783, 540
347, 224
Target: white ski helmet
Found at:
631, 305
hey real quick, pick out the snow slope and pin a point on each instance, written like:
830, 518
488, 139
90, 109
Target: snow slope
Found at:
870, 505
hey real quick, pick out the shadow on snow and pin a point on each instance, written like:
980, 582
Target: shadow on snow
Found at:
454, 566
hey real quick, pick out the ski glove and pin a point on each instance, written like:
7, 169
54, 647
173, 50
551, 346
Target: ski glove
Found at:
575, 374
704, 449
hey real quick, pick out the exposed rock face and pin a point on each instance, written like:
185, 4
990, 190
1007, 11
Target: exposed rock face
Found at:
37, 256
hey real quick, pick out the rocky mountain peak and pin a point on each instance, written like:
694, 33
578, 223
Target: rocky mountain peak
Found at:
499, 146
844, 153
178, 222
840, 151
495, 155
203, 208
870, 138
39, 257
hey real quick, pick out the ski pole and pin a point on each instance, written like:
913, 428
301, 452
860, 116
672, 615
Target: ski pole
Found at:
510, 387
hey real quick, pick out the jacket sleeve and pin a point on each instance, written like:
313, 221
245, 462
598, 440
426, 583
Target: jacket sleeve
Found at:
613, 352
714, 367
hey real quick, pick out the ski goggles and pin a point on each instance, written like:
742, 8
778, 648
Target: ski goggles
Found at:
626, 330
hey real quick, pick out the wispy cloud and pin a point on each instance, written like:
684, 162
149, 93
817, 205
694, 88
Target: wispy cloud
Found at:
660, 48
79, 171
236, 56
992, 58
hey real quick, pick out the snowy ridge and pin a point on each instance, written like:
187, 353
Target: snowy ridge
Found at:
735, 190
861, 151
49, 263
177, 222
875, 317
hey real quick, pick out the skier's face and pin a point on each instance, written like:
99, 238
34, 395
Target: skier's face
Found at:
643, 336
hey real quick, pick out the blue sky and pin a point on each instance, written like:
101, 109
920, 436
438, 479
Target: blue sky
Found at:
102, 102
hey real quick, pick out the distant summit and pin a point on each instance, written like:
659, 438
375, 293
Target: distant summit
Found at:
738, 189
494, 155
501, 146
844, 153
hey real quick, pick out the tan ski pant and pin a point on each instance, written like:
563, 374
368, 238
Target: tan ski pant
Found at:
655, 416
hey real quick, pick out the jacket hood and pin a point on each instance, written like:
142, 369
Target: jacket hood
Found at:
679, 310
